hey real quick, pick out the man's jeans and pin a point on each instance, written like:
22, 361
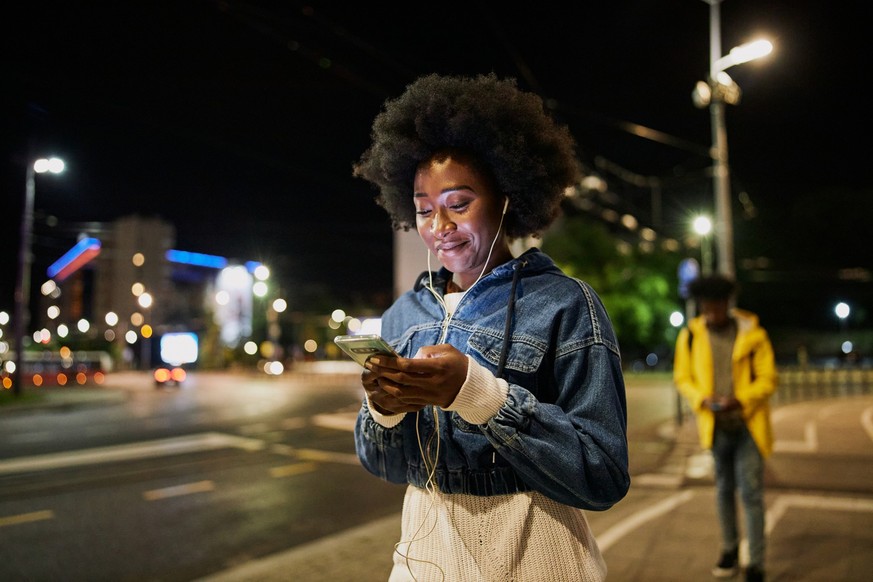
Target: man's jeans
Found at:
738, 464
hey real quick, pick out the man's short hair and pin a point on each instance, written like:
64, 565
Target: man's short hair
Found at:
712, 287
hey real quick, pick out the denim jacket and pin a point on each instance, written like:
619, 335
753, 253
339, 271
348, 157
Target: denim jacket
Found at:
562, 430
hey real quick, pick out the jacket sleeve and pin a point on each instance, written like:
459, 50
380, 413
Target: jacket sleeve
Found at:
684, 377
380, 448
575, 450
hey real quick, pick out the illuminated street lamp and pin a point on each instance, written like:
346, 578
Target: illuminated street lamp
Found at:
842, 311
703, 226
721, 89
22, 282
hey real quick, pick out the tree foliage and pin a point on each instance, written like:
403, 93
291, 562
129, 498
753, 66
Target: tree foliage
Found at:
637, 286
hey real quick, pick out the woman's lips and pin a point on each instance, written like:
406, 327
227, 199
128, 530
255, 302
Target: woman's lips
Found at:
447, 247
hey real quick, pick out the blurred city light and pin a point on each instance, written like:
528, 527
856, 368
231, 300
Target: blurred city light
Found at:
145, 300
179, 348
71, 261
261, 272
702, 225
744, 53
53, 165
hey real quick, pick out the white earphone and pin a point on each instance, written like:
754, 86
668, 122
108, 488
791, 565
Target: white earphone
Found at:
505, 205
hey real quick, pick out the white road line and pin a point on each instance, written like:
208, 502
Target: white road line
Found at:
141, 450
809, 444
26, 517
178, 490
295, 469
327, 456
254, 428
785, 502
337, 420
624, 527
294, 423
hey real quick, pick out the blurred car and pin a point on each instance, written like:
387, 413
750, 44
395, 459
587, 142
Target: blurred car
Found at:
170, 376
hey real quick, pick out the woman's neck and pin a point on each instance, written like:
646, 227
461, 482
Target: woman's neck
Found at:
457, 282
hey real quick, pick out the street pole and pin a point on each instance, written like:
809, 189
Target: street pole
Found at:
724, 235
22, 281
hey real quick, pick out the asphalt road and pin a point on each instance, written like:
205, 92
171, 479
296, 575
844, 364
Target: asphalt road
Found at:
819, 497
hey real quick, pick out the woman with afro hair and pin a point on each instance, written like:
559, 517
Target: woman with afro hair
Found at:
505, 411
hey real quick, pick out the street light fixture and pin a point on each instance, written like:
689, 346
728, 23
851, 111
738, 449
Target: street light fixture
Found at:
703, 226
842, 310
22, 282
721, 89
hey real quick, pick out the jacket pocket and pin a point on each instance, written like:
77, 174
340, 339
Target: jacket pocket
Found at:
524, 356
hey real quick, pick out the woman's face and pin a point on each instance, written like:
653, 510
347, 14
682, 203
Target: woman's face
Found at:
458, 217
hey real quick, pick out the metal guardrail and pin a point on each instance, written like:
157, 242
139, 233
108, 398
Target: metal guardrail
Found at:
800, 384
797, 384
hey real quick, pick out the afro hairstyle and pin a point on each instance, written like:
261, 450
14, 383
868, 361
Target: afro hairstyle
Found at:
500, 128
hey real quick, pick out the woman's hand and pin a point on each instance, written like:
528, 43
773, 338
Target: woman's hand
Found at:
433, 377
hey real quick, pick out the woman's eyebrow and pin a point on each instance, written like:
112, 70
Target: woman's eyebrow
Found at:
447, 190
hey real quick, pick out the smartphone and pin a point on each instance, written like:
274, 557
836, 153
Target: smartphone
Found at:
361, 347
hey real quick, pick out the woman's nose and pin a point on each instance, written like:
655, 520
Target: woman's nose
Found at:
440, 224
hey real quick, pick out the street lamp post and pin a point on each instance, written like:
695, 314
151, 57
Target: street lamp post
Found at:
720, 90
22, 281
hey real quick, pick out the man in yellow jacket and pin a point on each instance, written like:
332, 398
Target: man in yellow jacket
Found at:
724, 367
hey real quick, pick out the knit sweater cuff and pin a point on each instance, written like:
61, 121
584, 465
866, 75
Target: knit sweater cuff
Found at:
386, 420
481, 396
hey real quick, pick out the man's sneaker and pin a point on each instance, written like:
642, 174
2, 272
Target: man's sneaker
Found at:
727, 565
754, 574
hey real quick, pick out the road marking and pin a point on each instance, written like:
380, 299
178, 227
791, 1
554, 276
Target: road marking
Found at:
314, 454
626, 526
295, 469
328, 456
658, 480
337, 420
785, 502
27, 517
142, 450
254, 428
293, 423
178, 490
809, 444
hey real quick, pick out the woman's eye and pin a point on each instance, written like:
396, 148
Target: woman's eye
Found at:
459, 206
422, 211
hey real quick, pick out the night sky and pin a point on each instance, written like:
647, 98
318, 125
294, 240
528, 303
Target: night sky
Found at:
239, 121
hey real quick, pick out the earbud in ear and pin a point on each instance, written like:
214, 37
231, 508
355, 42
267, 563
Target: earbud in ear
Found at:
505, 205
